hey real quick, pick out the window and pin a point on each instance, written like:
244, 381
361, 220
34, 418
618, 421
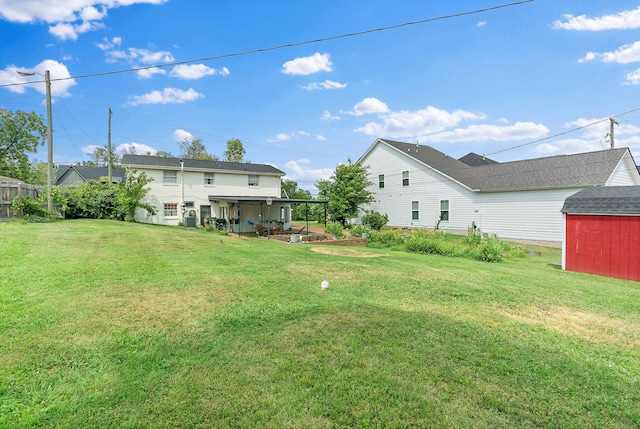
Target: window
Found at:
208, 178
381, 181
444, 209
254, 180
405, 178
189, 204
170, 209
170, 176
415, 210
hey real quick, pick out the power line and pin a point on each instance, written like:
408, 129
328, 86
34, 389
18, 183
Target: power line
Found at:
562, 133
288, 45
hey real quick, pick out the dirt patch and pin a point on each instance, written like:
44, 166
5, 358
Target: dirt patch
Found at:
337, 251
593, 327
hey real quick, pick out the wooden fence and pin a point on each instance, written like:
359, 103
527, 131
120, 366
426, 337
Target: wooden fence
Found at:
10, 189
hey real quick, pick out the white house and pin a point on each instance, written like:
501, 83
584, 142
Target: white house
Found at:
418, 186
242, 197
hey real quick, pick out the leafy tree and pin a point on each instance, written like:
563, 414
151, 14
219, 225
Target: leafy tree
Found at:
193, 148
163, 154
100, 158
235, 151
131, 194
298, 211
346, 190
375, 220
20, 134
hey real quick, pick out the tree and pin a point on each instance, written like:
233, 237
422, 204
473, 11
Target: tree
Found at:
131, 194
193, 148
299, 211
346, 190
20, 134
235, 151
163, 154
101, 158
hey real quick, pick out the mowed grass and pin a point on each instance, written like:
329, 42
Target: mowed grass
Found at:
108, 324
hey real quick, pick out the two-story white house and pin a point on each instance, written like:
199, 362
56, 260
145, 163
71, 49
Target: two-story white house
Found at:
242, 197
420, 187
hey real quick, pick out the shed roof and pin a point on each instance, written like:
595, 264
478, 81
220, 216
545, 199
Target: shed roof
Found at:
174, 163
622, 200
91, 173
553, 172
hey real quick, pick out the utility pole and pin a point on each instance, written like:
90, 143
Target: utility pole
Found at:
109, 160
612, 123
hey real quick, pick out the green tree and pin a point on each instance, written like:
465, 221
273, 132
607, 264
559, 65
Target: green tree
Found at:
346, 190
100, 158
235, 151
298, 211
163, 154
132, 192
193, 148
20, 134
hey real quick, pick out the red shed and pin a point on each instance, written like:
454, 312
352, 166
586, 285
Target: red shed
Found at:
602, 232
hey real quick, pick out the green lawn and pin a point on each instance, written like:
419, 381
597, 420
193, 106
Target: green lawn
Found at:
108, 324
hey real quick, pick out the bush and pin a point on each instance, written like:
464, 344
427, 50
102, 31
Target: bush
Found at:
30, 208
375, 220
335, 229
360, 230
389, 238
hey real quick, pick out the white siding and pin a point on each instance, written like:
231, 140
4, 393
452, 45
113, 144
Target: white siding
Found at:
525, 215
225, 184
426, 186
625, 174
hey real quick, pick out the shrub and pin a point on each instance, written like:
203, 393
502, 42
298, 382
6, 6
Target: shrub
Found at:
335, 229
490, 250
375, 220
360, 230
389, 238
30, 208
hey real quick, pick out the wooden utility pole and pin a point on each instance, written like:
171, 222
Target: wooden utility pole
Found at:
109, 160
612, 122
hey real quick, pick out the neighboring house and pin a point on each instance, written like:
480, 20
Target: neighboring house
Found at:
242, 197
71, 174
418, 186
603, 232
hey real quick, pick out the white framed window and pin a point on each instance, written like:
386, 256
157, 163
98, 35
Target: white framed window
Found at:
170, 209
415, 210
208, 178
381, 181
169, 176
405, 178
444, 209
254, 180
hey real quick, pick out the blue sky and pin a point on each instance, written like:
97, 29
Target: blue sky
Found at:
482, 82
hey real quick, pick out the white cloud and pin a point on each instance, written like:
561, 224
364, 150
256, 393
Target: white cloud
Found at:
137, 148
634, 77
90, 149
421, 122
139, 55
109, 44
181, 135
196, 71
625, 20
148, 73
487, 132
367, 106
590, 56
308, 65
297, 172
56, 71
70, 17
287, 136
481, 24
623, 55
327, 116
327, 84
321, 138
546, 148
166, 96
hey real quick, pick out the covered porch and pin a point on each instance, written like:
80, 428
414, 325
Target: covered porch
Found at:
257, 215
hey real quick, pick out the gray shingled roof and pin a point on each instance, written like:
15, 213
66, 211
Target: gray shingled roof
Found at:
604, 200
474, 160
91, 173
157, 161
562, 171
